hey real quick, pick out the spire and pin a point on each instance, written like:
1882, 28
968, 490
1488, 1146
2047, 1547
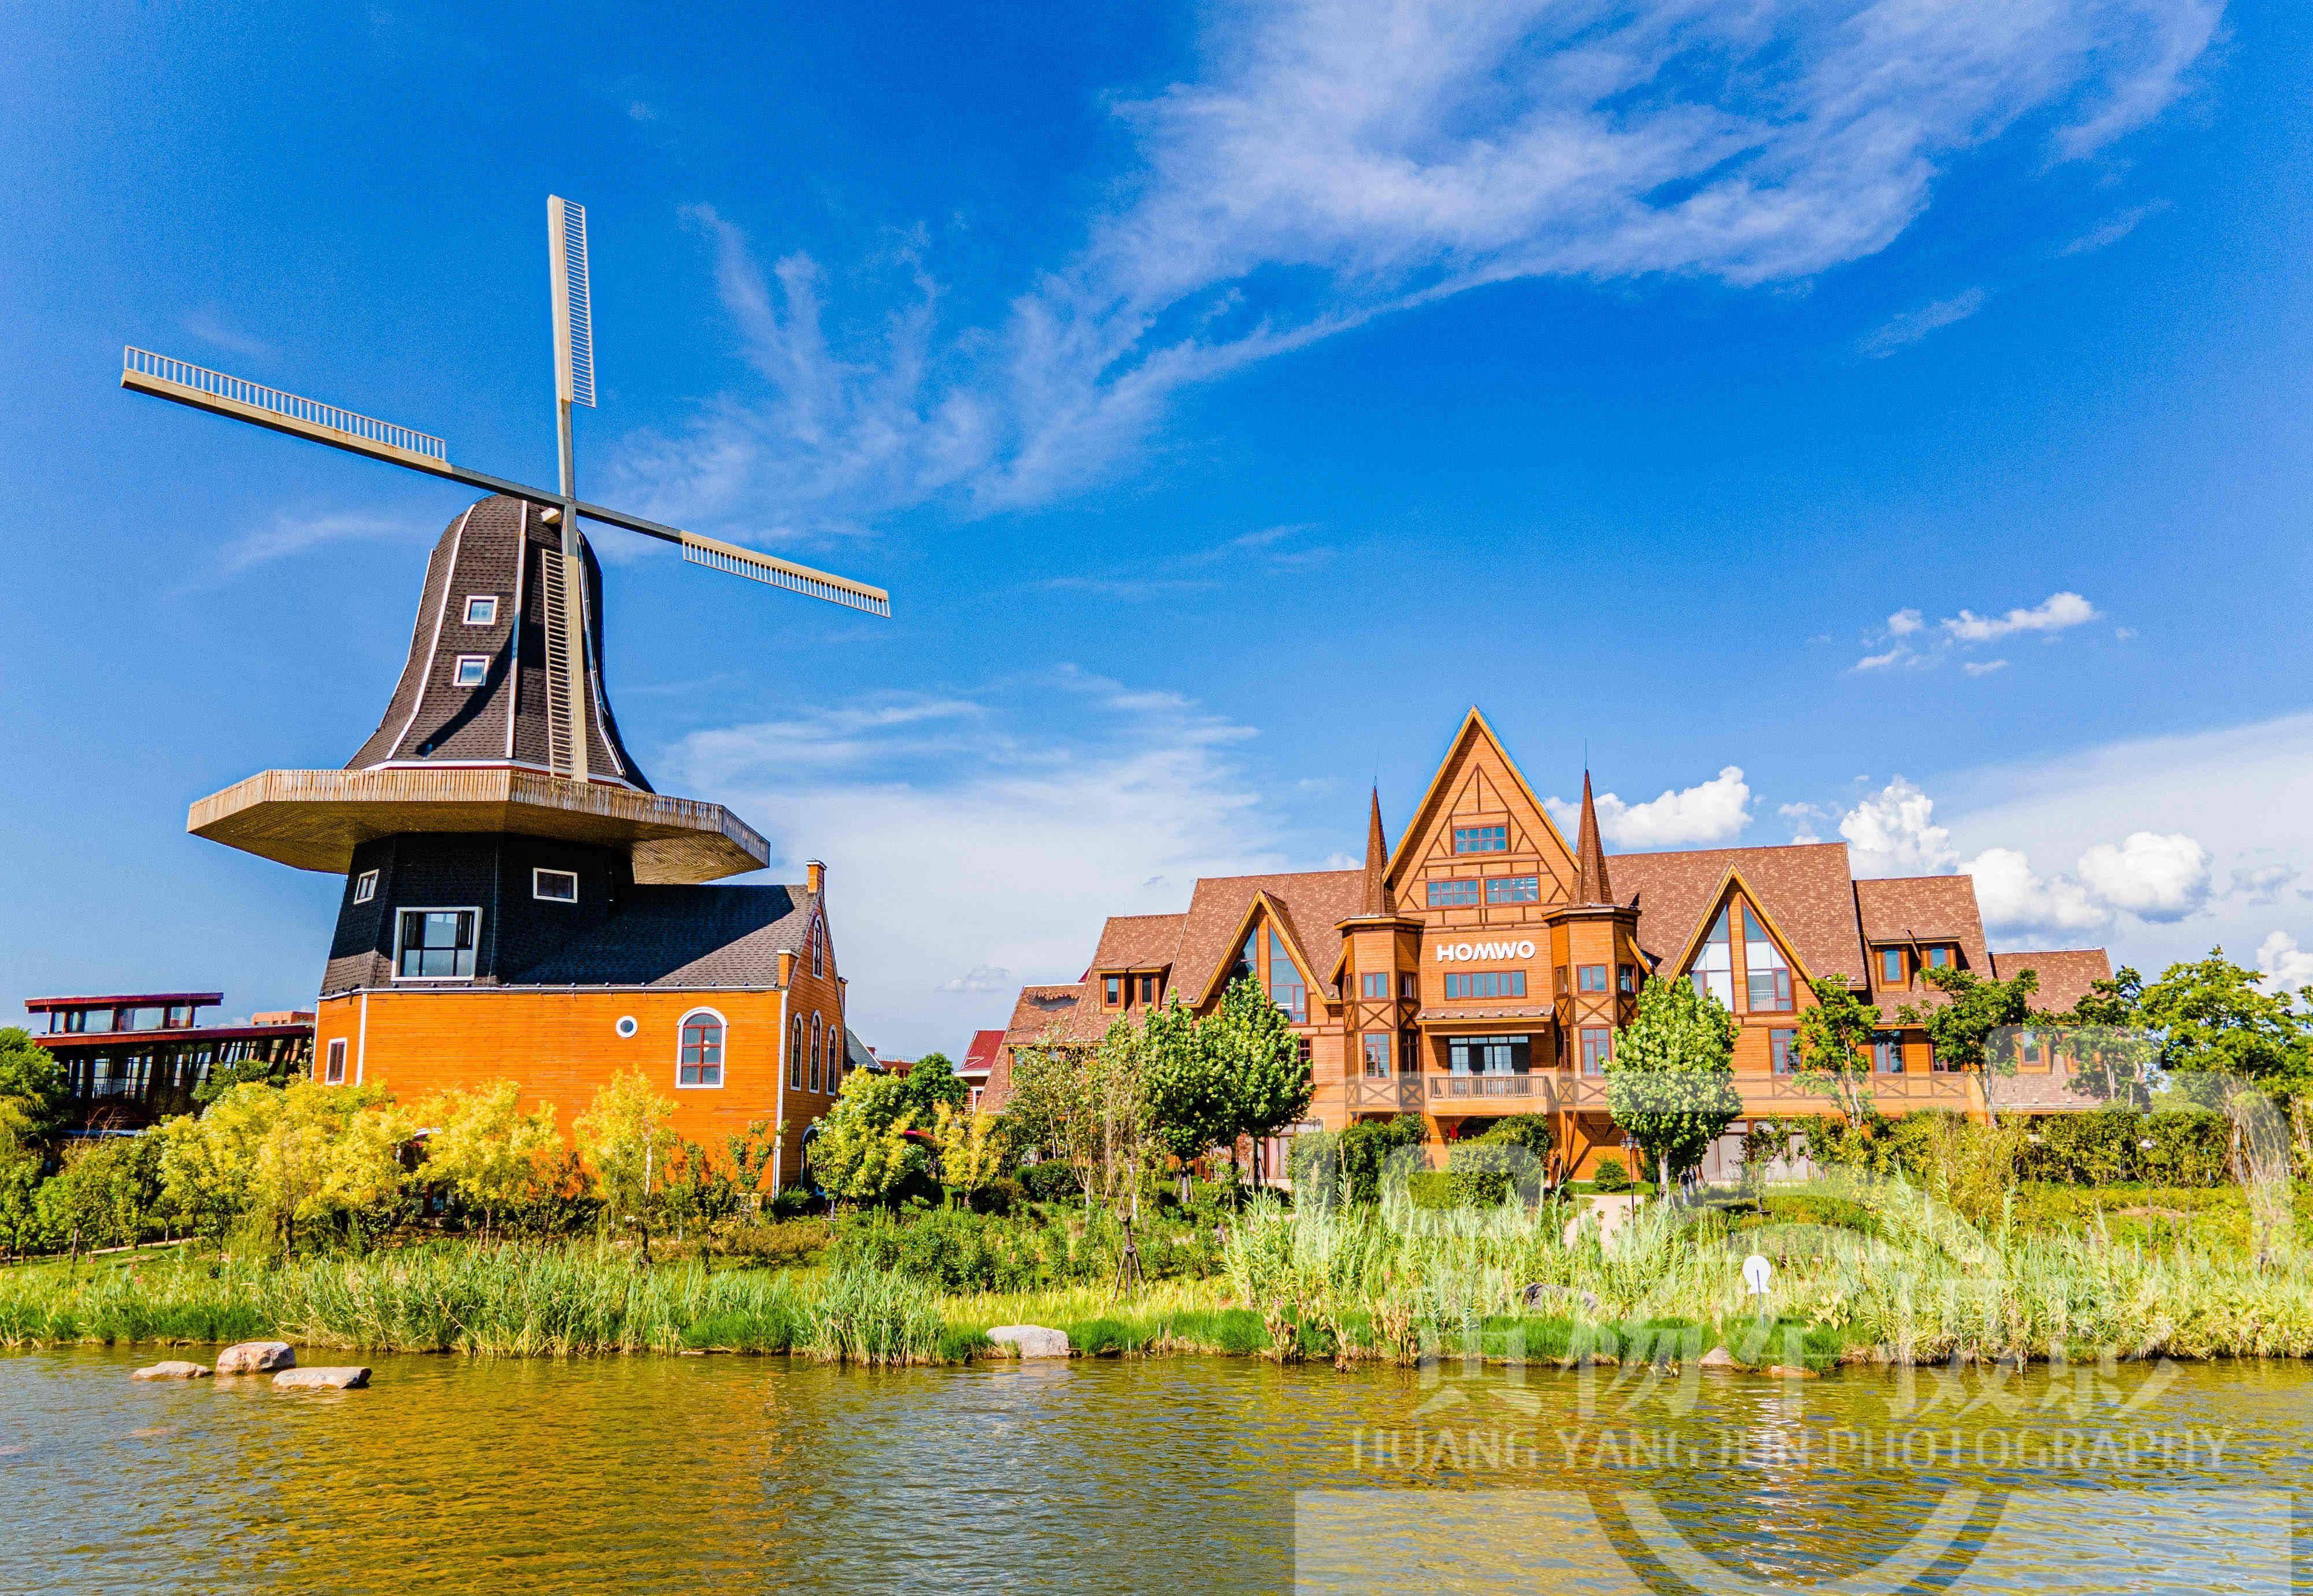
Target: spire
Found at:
1377, 893
1590, 855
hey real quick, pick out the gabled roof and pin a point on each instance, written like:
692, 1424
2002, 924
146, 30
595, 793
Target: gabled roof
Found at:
980, 1055
683, 936
1474, 728
1924, 909
1803, 887
2065, 974
1137, 941
1311, 905
1038, 1009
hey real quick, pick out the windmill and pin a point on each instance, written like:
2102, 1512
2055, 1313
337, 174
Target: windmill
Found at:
497, 772
566, 598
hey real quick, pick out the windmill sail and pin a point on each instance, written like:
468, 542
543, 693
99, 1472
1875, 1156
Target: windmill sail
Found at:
573, 303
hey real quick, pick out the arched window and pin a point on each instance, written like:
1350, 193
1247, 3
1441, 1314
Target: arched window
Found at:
794, 1053
1768, 987
1714, 966
698, 1052
814, 1053
834, 1057
818, 946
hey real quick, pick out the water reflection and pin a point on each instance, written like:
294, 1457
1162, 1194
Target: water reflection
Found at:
731, 1474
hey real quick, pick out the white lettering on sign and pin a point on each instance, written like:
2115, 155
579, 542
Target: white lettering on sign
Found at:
1455, 952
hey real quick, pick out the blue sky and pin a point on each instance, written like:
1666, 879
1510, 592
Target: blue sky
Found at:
1842, 420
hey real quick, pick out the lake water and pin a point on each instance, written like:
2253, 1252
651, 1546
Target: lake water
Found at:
1189, 1474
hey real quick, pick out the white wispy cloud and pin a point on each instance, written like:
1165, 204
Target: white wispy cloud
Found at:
290, 534
1908, 644
210, 324
1900, 332
2113, 229
961, 833
1334, 161
1713, 811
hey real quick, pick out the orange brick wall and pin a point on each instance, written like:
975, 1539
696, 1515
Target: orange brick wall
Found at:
562, 1046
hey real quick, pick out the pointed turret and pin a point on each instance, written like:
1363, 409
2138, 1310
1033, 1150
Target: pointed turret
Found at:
1590, 855
1376, 892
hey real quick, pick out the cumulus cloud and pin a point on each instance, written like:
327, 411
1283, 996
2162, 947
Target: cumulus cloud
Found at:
2013, 898
2154, 876
983, 978
1713, 811
1334, 161
2059, 611
2287, 966
1804, 819
1894, 832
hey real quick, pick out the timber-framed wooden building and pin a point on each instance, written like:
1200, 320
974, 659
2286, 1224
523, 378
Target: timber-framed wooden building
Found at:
1481, 966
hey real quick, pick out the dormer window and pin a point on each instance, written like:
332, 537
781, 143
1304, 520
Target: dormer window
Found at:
1891, 967
473, 670
1148, 989
1113, 990
1936, 958
481, 609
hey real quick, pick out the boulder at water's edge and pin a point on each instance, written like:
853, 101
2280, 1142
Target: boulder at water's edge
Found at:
174, 1369
323, 1380
1032, 1341
255, 1357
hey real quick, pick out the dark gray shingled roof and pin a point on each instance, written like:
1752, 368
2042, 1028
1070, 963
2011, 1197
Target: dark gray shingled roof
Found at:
494, 549
683, 936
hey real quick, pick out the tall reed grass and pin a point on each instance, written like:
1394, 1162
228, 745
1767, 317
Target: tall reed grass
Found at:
509, 1299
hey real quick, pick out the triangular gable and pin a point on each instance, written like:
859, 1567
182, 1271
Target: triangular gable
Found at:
1510, 795
1283, 922
1729, 883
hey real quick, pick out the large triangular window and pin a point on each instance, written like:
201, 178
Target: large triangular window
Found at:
1287, 990
1768, 987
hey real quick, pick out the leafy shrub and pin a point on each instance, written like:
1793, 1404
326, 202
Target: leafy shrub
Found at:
999, 1195
960, 1344
778, 1243
2111, 1146
1529, 1131
1611, 1175
1432, 1189
1052, 1181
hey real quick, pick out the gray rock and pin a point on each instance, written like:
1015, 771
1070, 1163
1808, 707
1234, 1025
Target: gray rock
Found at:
255, 1357
323, 1380
1032, 1341
174, 1369
1718, 1357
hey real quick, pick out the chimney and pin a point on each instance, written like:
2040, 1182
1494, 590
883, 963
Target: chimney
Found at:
787, 964
814, 876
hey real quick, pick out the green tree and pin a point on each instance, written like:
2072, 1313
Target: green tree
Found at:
32, 1080
1975, 1029
487, 1150
207, 1162
2212, 1017
23, 1227
1835, 1049
1191, 1095
1270, 1082
625, 1139
105, 1195
331, 1159
862, 1152
2106, 1035
931, 1082
970, 1150
1671, 1081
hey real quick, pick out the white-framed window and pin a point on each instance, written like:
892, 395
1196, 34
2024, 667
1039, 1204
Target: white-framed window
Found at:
815, 1041
435, 944
834, 1058
473, 669
335, 1073
365, 886
554, 886
626, 1028
794, 1055
818, 948
698, 1050
481, 609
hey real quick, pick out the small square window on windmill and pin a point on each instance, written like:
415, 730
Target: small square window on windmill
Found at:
572, 737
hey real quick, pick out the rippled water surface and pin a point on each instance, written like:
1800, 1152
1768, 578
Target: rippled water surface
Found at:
739, 1474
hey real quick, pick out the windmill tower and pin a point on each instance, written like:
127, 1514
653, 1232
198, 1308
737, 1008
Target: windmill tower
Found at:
494, 819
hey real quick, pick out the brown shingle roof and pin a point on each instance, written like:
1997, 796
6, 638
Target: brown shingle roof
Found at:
1312, 905
1803, 887
1137, 941
2064, 974
1927, 909
1034, 1014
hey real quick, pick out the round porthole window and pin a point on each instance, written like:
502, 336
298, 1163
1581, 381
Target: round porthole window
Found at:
627, 1025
